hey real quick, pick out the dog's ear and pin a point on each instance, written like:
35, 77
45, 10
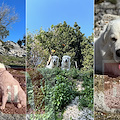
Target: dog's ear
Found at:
51, 57
107, 29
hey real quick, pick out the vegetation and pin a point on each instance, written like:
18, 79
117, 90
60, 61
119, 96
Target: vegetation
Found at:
62, 38
112, 1
100, 1
7, 17
55, 88
57, 38
86, 95
22, 42
11, 60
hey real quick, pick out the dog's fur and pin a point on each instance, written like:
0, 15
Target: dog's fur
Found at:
65, 64
107, 47
54, 62
11, 90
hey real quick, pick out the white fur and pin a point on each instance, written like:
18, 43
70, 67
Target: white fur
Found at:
2, 65
65, 64
106, 47
11, 89
53, 62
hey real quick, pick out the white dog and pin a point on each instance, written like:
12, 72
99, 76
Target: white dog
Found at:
54, 61
107, 48
65, 64
11, 89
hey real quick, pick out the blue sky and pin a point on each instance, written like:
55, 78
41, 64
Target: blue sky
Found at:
44, 13
18, 29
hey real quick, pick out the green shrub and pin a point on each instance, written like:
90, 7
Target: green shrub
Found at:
59, 89
112, 1
86, 95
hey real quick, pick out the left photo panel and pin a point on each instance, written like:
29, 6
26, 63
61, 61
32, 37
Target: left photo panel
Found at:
12, 60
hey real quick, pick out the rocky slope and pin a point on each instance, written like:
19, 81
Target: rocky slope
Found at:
10, 48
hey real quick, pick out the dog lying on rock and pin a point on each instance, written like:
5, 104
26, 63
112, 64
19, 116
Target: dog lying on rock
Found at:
11, 89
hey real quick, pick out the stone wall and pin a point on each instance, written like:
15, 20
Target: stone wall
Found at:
103, 13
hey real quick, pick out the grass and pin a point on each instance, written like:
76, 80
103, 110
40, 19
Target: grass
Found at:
11, 60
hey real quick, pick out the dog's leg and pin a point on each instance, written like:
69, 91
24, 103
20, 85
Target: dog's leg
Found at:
19, 105
4, 99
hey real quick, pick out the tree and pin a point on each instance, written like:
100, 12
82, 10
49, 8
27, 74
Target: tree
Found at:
7, 17
24, 40
36, 54
87, 51
19, 42
65, 40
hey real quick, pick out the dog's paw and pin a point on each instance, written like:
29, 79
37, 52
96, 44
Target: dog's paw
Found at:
19, 105
2, 107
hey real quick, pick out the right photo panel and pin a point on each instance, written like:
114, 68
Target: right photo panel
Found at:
107, 60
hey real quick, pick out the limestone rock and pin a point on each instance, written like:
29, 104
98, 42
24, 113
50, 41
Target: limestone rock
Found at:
12, 49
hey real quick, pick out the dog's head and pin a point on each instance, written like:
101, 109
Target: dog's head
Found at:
112, 38
66, 59
55, 60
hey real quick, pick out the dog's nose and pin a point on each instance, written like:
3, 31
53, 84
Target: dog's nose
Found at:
66, 60
118, 53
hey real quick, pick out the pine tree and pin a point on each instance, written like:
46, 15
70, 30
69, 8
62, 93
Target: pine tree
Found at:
65, 40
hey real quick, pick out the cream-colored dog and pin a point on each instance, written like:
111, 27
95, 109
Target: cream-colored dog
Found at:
54, 61
107, 48
65, 64
11, 90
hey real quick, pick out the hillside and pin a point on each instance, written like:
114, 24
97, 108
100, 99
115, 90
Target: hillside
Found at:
12, 54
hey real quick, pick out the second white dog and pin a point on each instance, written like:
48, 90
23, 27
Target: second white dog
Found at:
65, 64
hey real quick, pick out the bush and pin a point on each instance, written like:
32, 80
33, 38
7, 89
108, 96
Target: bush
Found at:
112, 1
55, 88
86, 95
59, 89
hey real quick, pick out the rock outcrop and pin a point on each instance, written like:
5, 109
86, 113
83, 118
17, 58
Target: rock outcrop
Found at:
11, 48
105, 12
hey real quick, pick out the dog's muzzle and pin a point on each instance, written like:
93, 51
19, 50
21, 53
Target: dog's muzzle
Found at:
118, 52
66, 60
54, 62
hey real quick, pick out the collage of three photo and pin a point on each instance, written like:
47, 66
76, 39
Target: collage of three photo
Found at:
60, 60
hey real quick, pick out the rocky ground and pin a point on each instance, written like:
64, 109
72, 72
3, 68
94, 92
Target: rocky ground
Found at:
72, 111
107, 97
12, 49
11, 112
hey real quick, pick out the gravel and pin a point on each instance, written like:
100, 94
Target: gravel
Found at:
72, 111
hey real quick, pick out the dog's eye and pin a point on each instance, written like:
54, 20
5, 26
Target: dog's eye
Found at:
114, 39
